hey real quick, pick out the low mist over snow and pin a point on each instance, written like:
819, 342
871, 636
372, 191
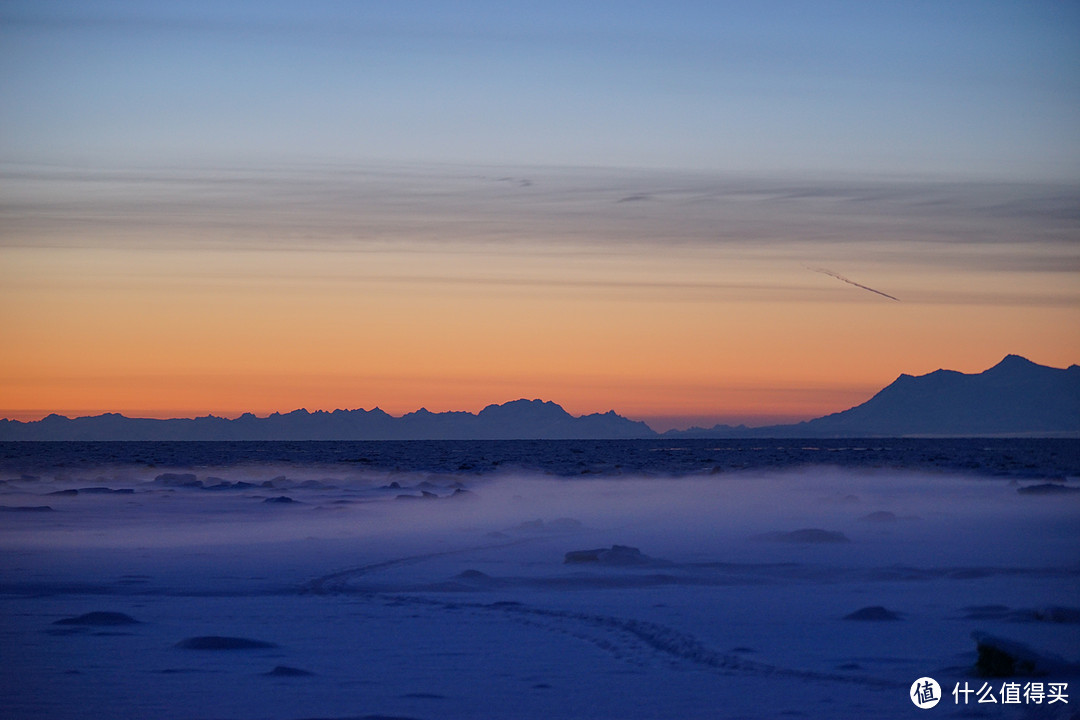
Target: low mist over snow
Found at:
285, 589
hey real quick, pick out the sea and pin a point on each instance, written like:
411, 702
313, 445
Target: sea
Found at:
1051, 459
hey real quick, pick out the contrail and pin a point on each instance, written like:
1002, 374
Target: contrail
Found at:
841, 278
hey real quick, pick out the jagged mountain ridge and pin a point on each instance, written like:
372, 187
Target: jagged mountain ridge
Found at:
1015, 397
517, 420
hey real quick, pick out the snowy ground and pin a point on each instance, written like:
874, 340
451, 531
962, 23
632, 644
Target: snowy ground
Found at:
461, 606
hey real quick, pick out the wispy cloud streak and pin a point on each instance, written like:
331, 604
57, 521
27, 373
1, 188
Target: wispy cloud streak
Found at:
841, 278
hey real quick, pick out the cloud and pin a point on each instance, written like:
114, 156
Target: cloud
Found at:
964, 227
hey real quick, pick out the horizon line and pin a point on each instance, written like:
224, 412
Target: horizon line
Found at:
741, 419
764, 419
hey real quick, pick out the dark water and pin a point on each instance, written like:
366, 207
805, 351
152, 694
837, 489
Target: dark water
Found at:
1027, 458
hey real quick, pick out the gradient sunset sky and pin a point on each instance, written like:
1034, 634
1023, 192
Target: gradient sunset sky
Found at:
651, 207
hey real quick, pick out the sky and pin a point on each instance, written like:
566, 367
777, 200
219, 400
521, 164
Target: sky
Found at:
688, 212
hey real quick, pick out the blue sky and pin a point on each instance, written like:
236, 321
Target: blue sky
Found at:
259, 206
969, 89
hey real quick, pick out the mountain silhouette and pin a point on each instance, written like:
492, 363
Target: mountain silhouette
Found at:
1015, 397
517, 420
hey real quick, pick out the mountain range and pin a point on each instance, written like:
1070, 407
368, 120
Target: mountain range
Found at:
520, 419
1015, 397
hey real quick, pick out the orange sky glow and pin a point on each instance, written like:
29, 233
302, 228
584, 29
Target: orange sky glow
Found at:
692, 306
689, 213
